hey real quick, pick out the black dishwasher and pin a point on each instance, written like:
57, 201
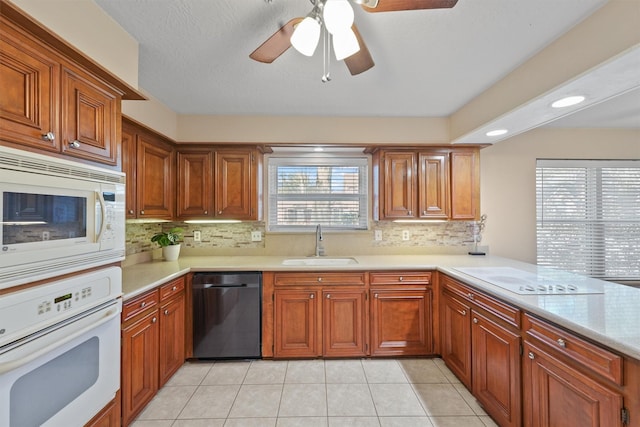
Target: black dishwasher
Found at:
227, 315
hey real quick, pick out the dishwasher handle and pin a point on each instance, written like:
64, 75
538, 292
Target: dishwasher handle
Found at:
214, 286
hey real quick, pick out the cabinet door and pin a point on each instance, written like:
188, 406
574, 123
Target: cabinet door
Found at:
154, 178
557, 395
129, 153
90, 118
172, 332
455, 335
401, 322
399, 185
235, 191
139, 365
465, 185
496, 370
109, 416
29, 86
195, 193
297, 323
433, 183
343, 323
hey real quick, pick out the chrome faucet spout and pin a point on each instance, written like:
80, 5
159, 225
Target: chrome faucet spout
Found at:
319, 238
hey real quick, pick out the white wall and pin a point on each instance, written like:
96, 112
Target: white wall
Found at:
508, 188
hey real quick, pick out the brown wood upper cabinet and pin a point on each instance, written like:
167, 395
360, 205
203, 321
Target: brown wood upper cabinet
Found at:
149, 162
221, 183
438, 183
53, 98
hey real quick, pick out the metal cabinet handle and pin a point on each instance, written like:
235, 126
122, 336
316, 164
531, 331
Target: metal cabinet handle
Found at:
561, 343
130, 211
410, 213
475, 320
219, 212
174, 288
328, 296
463, 312
470, 295
49, 136
74, 144
166, 312
206, 212
375, 295
532, 356
141, 212
401, 278
319, 279
312, 296
154, 320
143, 304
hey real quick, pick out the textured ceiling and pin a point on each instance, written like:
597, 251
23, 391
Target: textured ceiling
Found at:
194, 55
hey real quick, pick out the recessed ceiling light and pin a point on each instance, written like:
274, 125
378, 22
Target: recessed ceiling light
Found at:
497, 132
568, 101
318, 149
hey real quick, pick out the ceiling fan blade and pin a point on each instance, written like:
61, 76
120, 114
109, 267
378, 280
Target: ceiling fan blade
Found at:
277, 44
360, 61
394, 5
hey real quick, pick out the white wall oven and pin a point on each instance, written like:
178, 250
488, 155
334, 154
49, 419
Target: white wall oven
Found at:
60, 350
58, 217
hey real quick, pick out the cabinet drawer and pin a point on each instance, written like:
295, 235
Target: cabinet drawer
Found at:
172, 288
400, 278
139, 304
588, 355
503, 311
295, 279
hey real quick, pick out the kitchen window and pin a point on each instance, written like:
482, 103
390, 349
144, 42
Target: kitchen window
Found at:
306, 191
588, 217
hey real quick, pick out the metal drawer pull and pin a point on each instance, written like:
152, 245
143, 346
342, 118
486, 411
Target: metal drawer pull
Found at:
561, 343
166, 312
319, 279
532, 356
174, 288
475, 320
49, 136
154, 320
328, 296
74, 144
401, 278
311, 296
375, 295
143, 304
470, 296
463, 312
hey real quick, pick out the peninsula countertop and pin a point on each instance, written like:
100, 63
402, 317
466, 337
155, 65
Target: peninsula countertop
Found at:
611, 318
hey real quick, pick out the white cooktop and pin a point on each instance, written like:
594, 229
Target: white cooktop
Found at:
545, 282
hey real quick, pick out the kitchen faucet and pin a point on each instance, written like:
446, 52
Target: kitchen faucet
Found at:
319, 247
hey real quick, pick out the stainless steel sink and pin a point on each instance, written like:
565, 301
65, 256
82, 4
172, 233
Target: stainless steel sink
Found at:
319, 261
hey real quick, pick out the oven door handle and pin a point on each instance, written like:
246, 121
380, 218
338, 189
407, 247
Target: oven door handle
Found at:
23, 359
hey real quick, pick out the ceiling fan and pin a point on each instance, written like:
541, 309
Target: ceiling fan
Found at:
335, 17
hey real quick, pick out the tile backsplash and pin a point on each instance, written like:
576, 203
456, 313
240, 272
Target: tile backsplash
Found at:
235, 239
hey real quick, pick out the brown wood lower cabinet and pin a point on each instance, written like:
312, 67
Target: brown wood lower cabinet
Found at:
482, 349
153, 332
319, 314
109, 416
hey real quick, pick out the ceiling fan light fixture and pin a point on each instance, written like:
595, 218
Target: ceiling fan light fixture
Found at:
345, 44
306, 36
337, 15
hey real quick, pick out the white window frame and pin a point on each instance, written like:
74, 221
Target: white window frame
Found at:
588, 217
300, 159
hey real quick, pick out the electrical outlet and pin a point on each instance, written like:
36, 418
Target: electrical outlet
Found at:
45, 235
197, 236
256, 236
405, 235
377, 235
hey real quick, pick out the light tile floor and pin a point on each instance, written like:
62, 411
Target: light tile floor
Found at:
314, 393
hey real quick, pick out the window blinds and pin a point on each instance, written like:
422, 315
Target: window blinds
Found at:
588, 217
327, 191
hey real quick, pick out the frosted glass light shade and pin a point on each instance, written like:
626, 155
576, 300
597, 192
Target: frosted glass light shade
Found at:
337, 16
306, 36
345, 44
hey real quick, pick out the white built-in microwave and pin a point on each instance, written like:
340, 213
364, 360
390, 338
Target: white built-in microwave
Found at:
58, 217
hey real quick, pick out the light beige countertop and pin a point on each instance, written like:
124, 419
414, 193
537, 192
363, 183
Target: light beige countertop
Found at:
611, 318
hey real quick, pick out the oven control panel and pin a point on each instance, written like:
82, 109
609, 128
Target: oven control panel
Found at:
27, 311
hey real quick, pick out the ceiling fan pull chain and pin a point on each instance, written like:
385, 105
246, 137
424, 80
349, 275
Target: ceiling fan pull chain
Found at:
326, 56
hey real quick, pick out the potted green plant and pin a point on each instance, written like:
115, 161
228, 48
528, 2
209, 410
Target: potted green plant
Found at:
169, 241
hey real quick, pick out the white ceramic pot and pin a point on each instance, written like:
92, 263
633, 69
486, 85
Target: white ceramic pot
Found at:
171, 252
